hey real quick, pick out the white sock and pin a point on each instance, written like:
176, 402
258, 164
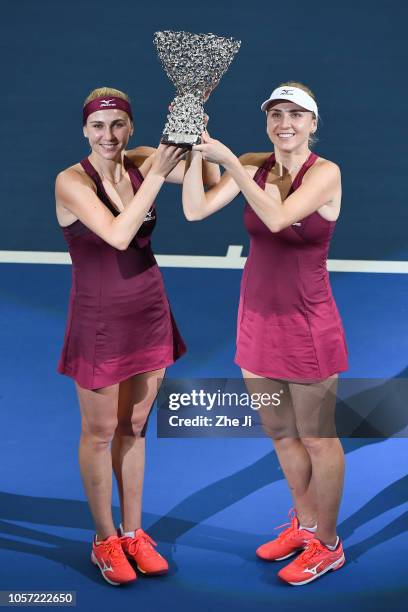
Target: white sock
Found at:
312, 529
333, 546
98, 541
127, 534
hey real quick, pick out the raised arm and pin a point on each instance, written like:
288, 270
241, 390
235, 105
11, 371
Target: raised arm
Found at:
321, 185
143, 157
197, 203
74, 192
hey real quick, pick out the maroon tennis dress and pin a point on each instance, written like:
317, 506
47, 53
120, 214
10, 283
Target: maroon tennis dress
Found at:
119, 320
288, 323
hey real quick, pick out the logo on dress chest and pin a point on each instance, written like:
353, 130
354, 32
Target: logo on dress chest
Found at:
150, 216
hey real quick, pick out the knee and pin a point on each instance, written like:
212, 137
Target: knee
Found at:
100, 434
135, 426
319, 446
131, 428
285, 444
280, 432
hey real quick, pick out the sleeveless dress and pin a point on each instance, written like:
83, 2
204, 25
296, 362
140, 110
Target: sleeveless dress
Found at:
288, 323
119, 320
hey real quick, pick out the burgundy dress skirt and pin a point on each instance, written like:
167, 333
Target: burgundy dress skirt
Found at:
119, 319
288, 323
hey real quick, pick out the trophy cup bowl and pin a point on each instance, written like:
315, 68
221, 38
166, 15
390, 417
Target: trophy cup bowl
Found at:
195, 64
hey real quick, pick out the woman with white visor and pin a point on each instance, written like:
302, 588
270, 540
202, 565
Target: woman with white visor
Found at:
290, 337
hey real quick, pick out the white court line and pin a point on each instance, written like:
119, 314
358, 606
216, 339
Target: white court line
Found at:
233, 260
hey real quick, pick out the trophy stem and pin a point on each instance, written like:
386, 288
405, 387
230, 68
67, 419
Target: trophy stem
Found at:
185, 122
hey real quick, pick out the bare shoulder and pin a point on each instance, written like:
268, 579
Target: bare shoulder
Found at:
253, 159
324, 167
67, 184
138, 155
71, 175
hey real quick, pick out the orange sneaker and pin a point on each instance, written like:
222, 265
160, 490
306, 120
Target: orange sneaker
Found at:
288, 542
140, 550
109, 557
314, 561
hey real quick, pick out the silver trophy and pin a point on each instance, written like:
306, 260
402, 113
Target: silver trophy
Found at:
194, 63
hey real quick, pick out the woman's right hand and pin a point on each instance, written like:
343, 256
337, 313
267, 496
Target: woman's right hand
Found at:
166, 158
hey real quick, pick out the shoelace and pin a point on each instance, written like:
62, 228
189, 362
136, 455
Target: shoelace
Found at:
313, 548
140, 541
292, 515
113, 550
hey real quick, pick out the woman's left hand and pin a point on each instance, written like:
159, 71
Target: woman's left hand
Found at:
213, 150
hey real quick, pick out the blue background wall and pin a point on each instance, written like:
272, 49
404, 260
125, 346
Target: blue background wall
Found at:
208, 513
353, 54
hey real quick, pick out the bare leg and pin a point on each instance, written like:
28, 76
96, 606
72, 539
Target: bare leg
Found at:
279, 423
136, 397
296, 465
315, 408
99, 421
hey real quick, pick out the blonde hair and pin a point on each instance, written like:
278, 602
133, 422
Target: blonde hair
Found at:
312, 138
106, 91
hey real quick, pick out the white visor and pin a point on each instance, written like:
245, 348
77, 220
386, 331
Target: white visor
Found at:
292, 94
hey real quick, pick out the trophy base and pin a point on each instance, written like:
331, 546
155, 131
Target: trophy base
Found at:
180, 139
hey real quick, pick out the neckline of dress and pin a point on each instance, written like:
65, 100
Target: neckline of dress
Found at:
128, 168
271, 162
